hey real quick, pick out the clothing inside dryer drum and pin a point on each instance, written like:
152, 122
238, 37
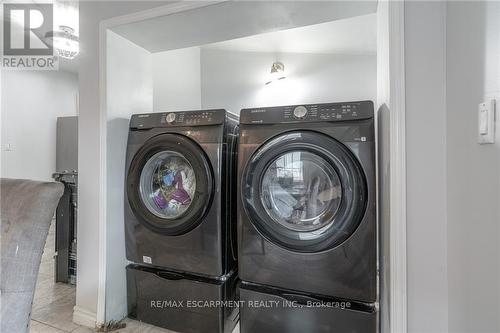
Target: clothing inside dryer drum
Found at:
301, 191
167, 184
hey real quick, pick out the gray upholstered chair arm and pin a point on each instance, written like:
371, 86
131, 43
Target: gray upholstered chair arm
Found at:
27, 208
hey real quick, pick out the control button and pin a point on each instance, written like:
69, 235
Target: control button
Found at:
300, 112
170, 117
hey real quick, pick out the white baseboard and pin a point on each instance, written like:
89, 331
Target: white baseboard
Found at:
84, 317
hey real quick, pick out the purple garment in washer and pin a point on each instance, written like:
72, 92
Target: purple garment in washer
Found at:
159, 200
180, 193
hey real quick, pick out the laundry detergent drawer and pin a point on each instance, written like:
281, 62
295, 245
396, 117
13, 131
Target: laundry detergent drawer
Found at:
181, 302
273, 310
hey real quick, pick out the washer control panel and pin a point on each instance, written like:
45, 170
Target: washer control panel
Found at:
300, 112
332, 112
170, 117
180, 118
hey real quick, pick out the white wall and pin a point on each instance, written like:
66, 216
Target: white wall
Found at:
236, 80
177, 82
426, 166
383, 54
31, 103
473, 170
128, 91
383, 147
89, 159
188, 79
452, 64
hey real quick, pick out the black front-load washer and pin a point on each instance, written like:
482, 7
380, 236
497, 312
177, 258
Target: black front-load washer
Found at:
307, 199
179, 181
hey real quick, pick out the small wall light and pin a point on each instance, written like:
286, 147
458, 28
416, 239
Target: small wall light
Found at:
277, 72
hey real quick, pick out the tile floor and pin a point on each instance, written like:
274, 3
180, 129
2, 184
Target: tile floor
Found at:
53, 303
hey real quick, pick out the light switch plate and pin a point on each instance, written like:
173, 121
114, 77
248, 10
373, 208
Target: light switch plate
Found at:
486, 122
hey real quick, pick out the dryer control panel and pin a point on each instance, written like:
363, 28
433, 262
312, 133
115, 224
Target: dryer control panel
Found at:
347, 111
179, 118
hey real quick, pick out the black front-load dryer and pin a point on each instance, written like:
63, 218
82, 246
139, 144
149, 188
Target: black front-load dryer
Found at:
307, 206
179, 182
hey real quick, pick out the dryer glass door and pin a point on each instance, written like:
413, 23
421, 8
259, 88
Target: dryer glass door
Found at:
301, 191
304, 191
170, 184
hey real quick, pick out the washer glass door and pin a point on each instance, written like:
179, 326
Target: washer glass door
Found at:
167, 184
170, 184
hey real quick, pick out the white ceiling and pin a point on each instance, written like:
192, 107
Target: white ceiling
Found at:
238, 19
355, 35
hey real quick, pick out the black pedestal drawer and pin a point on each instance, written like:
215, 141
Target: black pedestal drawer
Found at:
274, 310
181, 302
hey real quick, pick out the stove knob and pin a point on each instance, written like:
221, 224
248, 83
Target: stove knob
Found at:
300, 112
170, 117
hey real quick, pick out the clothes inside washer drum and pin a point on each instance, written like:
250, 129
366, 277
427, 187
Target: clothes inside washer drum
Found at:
168, 184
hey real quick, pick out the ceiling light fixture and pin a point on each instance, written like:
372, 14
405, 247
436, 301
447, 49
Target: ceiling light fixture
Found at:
64, 41
277, 72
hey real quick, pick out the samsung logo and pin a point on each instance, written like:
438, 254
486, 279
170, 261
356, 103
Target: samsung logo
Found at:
258, 111
143, 116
